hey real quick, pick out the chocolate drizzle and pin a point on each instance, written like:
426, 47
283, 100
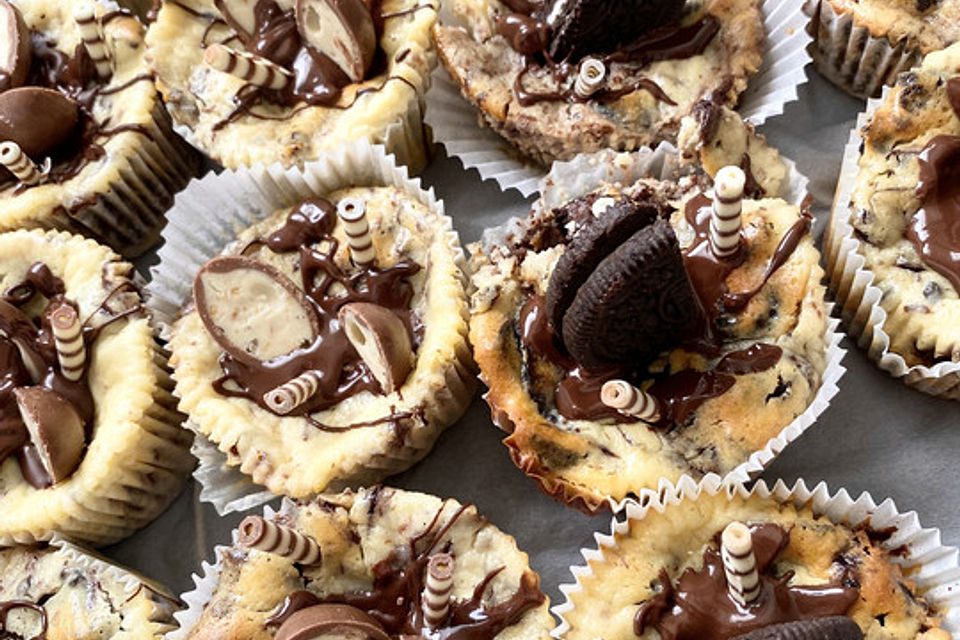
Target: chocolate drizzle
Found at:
10, 605
395, 599
24, 346
327, 287
699, 606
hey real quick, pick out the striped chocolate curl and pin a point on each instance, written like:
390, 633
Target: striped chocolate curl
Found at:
270, 537
727, 203
247, 66
628, 400
18, 163
590, 77
739, 563
292, 394
353, 213
438, 589
68, 338
91, 35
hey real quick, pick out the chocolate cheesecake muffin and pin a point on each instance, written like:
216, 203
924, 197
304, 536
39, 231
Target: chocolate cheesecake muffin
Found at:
561, 77
59, 591
621, 345
85, 144
898, 217
265, 81
326, 346
862, 45
381, 563
90, 443
803, 575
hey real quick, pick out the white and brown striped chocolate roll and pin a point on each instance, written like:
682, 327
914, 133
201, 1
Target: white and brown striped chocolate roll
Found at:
255, 532
438, 589
18, 163
68, 337
91, 34
739, 563
728, 188
590, 77
628, 400
353, 213
292, 394
247, 66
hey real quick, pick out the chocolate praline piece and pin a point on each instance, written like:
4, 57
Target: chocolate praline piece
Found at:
829, 628
331, 622
15, 49
37, 119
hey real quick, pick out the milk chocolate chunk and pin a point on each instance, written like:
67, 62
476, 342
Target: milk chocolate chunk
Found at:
342, 30
331, 622
598, 239
15, 49
636, 303
253, 311
584, 27
382, 341
37, 119
55, 428
829, 628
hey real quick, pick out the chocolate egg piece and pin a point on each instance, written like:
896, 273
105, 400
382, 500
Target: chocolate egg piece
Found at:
37, 119
253, 311
15, 49
828, 628
240, 15
331, 622
381, 339
55, 430
342, 30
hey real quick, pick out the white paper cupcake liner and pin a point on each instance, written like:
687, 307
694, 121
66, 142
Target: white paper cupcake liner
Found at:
568, 180
849, 57
933, 567
208, 215
858, 298
454, 123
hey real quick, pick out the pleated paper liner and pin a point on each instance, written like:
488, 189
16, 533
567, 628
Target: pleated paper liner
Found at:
858, 297
849, 57
208, 215
587, 172
138, 458
453, 120
932, 566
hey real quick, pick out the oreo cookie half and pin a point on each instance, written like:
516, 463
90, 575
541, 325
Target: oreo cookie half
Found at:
598, 239
636, 303
584, 27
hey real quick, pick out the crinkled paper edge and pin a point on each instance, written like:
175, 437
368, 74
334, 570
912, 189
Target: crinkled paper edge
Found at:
207, 216
455, 125
931, 565
858, 298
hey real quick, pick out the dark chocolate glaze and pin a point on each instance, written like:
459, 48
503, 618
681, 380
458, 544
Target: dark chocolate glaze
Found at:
934, 229
342, 372
9, 605
24, 341
699, 606
395, 599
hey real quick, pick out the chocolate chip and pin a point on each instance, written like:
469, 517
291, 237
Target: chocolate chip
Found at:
584, 27
637, 302
598, 239
828, 628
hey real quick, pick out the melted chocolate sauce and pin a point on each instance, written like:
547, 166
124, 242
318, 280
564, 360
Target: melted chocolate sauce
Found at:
25, 346
396, 597
7, 606
699, 606
341, 371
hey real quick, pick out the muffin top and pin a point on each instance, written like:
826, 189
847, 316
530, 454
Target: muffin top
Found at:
924, 25
728, 350
671, 583
560, 78
376, 546
61, 593
902, 204
341, 71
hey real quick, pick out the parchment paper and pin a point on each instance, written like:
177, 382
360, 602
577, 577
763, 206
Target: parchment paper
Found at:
878, 435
